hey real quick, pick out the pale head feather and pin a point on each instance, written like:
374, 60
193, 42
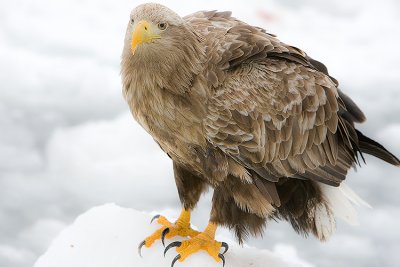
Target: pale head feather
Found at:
170, 62
156, 13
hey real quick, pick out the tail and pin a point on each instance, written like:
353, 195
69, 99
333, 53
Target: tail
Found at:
373, 148
337, 202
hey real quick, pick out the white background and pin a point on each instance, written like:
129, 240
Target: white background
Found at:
67, 141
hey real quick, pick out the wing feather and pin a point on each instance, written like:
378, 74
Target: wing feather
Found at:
270, 130
271, 107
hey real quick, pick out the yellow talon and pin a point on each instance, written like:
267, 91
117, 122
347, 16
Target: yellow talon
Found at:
203, 241
180, 228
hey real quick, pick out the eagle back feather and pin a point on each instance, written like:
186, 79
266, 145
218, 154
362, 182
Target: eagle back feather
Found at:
270, 108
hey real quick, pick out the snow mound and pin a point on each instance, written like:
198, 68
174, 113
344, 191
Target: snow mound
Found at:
108, 236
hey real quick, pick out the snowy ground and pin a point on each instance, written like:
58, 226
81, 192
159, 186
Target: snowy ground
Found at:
68, 143
108, 236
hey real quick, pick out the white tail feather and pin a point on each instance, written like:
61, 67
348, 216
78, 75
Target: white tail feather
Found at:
324, 221
340, 201
352, 196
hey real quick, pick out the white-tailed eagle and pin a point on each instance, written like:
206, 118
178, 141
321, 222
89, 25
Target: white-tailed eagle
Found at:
239, 111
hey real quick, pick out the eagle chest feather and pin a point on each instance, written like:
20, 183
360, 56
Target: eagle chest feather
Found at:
170, 119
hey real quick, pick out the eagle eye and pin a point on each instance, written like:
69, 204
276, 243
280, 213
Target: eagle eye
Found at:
162, 25
132, 21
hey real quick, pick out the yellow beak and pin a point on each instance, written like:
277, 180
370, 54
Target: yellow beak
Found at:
143, 33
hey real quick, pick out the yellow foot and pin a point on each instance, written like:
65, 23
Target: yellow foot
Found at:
203, 241
168, 230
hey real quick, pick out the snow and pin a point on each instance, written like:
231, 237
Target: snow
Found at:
108, 235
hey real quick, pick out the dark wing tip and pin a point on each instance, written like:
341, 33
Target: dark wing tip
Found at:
353, 110
369, 146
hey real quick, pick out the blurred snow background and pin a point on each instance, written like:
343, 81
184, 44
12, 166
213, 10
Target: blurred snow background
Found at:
67, 141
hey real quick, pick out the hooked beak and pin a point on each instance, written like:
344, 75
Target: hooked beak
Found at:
143, 33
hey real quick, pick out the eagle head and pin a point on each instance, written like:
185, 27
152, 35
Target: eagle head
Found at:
153, 28
161, 49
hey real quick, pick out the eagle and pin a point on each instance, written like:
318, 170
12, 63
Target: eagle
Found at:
259, 121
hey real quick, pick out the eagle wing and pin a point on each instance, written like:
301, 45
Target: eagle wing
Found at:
270, 108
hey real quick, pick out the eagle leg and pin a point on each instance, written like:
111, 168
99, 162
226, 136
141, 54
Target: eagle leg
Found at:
203, 241
181, 227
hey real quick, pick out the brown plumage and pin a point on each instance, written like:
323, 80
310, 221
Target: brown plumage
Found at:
237, 110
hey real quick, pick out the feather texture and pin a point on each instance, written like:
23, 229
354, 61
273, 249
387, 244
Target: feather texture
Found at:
340, 200
258, 120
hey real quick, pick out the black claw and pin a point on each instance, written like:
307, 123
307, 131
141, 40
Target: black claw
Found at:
225, 246
163, 234
155, 217
173, 244
222, 258
175, 259
140, 248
